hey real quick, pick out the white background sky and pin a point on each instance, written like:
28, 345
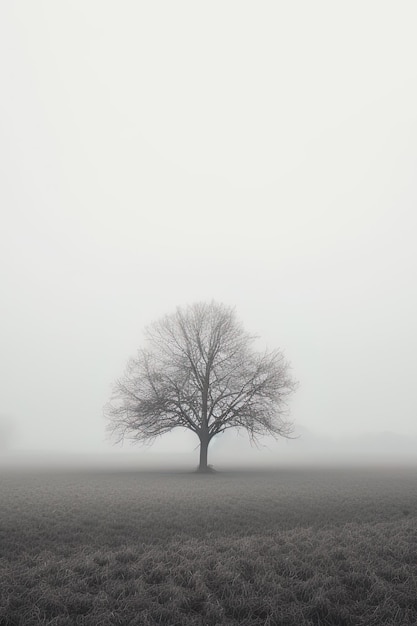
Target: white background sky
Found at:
153, 154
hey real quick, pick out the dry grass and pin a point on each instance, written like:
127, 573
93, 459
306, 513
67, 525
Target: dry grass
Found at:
287, 548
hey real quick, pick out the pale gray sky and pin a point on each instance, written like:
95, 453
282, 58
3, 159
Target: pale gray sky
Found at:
153, 154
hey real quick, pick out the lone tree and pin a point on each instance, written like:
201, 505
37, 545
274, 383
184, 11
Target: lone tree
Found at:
199, 371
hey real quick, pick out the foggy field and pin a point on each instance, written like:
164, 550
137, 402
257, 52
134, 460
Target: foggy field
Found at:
289, 547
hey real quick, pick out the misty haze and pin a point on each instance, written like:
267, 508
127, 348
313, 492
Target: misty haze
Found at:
208, 338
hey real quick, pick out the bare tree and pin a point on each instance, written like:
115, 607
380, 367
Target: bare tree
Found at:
199, 372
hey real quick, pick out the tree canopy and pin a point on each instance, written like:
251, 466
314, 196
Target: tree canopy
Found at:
198, 370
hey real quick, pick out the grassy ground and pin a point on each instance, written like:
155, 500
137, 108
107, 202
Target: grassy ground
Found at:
291, 547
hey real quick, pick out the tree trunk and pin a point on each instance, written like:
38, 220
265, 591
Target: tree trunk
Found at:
204, 442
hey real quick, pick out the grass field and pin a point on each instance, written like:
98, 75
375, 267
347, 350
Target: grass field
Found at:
290, 547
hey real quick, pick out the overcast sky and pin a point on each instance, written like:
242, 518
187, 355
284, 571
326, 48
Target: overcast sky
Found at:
154, 154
